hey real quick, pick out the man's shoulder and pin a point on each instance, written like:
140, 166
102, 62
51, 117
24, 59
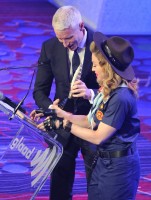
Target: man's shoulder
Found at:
52, 43
52, 40
90, 31
89, 35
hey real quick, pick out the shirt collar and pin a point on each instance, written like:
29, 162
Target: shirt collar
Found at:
83, 42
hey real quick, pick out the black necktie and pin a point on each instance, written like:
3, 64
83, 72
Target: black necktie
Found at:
75, 61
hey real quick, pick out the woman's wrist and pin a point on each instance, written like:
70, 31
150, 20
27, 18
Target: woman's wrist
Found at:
68, 116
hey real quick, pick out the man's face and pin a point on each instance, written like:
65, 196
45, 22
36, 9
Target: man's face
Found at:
70, 37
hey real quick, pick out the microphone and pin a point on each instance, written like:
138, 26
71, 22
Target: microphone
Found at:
46, 113
10, 102
22, 101
10, 68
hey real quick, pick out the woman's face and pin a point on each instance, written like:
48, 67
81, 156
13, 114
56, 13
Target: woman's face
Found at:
98, 69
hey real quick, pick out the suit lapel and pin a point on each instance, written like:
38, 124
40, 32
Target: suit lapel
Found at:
87, 64
62, 61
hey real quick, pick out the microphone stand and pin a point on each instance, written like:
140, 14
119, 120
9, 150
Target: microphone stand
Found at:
21, 102
9, 68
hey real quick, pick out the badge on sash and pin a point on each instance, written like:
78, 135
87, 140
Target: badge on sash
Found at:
99, 115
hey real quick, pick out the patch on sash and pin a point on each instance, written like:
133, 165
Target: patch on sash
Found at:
99, 115
102, 106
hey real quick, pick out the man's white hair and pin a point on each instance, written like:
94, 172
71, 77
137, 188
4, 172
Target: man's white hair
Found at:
66, 17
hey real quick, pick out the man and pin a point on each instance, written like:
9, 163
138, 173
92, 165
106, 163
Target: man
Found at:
55, 63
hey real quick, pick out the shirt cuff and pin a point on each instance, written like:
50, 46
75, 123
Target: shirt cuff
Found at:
50, 107
92, 96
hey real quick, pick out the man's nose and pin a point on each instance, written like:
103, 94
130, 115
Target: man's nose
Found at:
65, 43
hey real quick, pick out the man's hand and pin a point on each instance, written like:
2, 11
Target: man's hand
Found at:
79, 89
36, 116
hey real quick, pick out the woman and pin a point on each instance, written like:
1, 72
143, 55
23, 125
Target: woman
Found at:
112, 122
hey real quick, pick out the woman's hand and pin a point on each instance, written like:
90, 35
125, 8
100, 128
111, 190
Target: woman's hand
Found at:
59, 112
51, 123
41, 126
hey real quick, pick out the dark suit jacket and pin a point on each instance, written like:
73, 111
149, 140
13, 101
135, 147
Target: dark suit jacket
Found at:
53, 65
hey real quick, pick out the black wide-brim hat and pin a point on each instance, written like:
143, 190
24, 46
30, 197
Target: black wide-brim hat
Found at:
118, 52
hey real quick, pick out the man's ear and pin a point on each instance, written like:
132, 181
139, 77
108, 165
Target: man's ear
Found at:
81, 25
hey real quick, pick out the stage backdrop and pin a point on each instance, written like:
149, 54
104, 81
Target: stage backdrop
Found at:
130, 17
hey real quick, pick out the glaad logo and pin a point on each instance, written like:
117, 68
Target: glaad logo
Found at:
21, 147
42, 163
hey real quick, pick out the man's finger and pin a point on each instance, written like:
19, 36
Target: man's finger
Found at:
56, 102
